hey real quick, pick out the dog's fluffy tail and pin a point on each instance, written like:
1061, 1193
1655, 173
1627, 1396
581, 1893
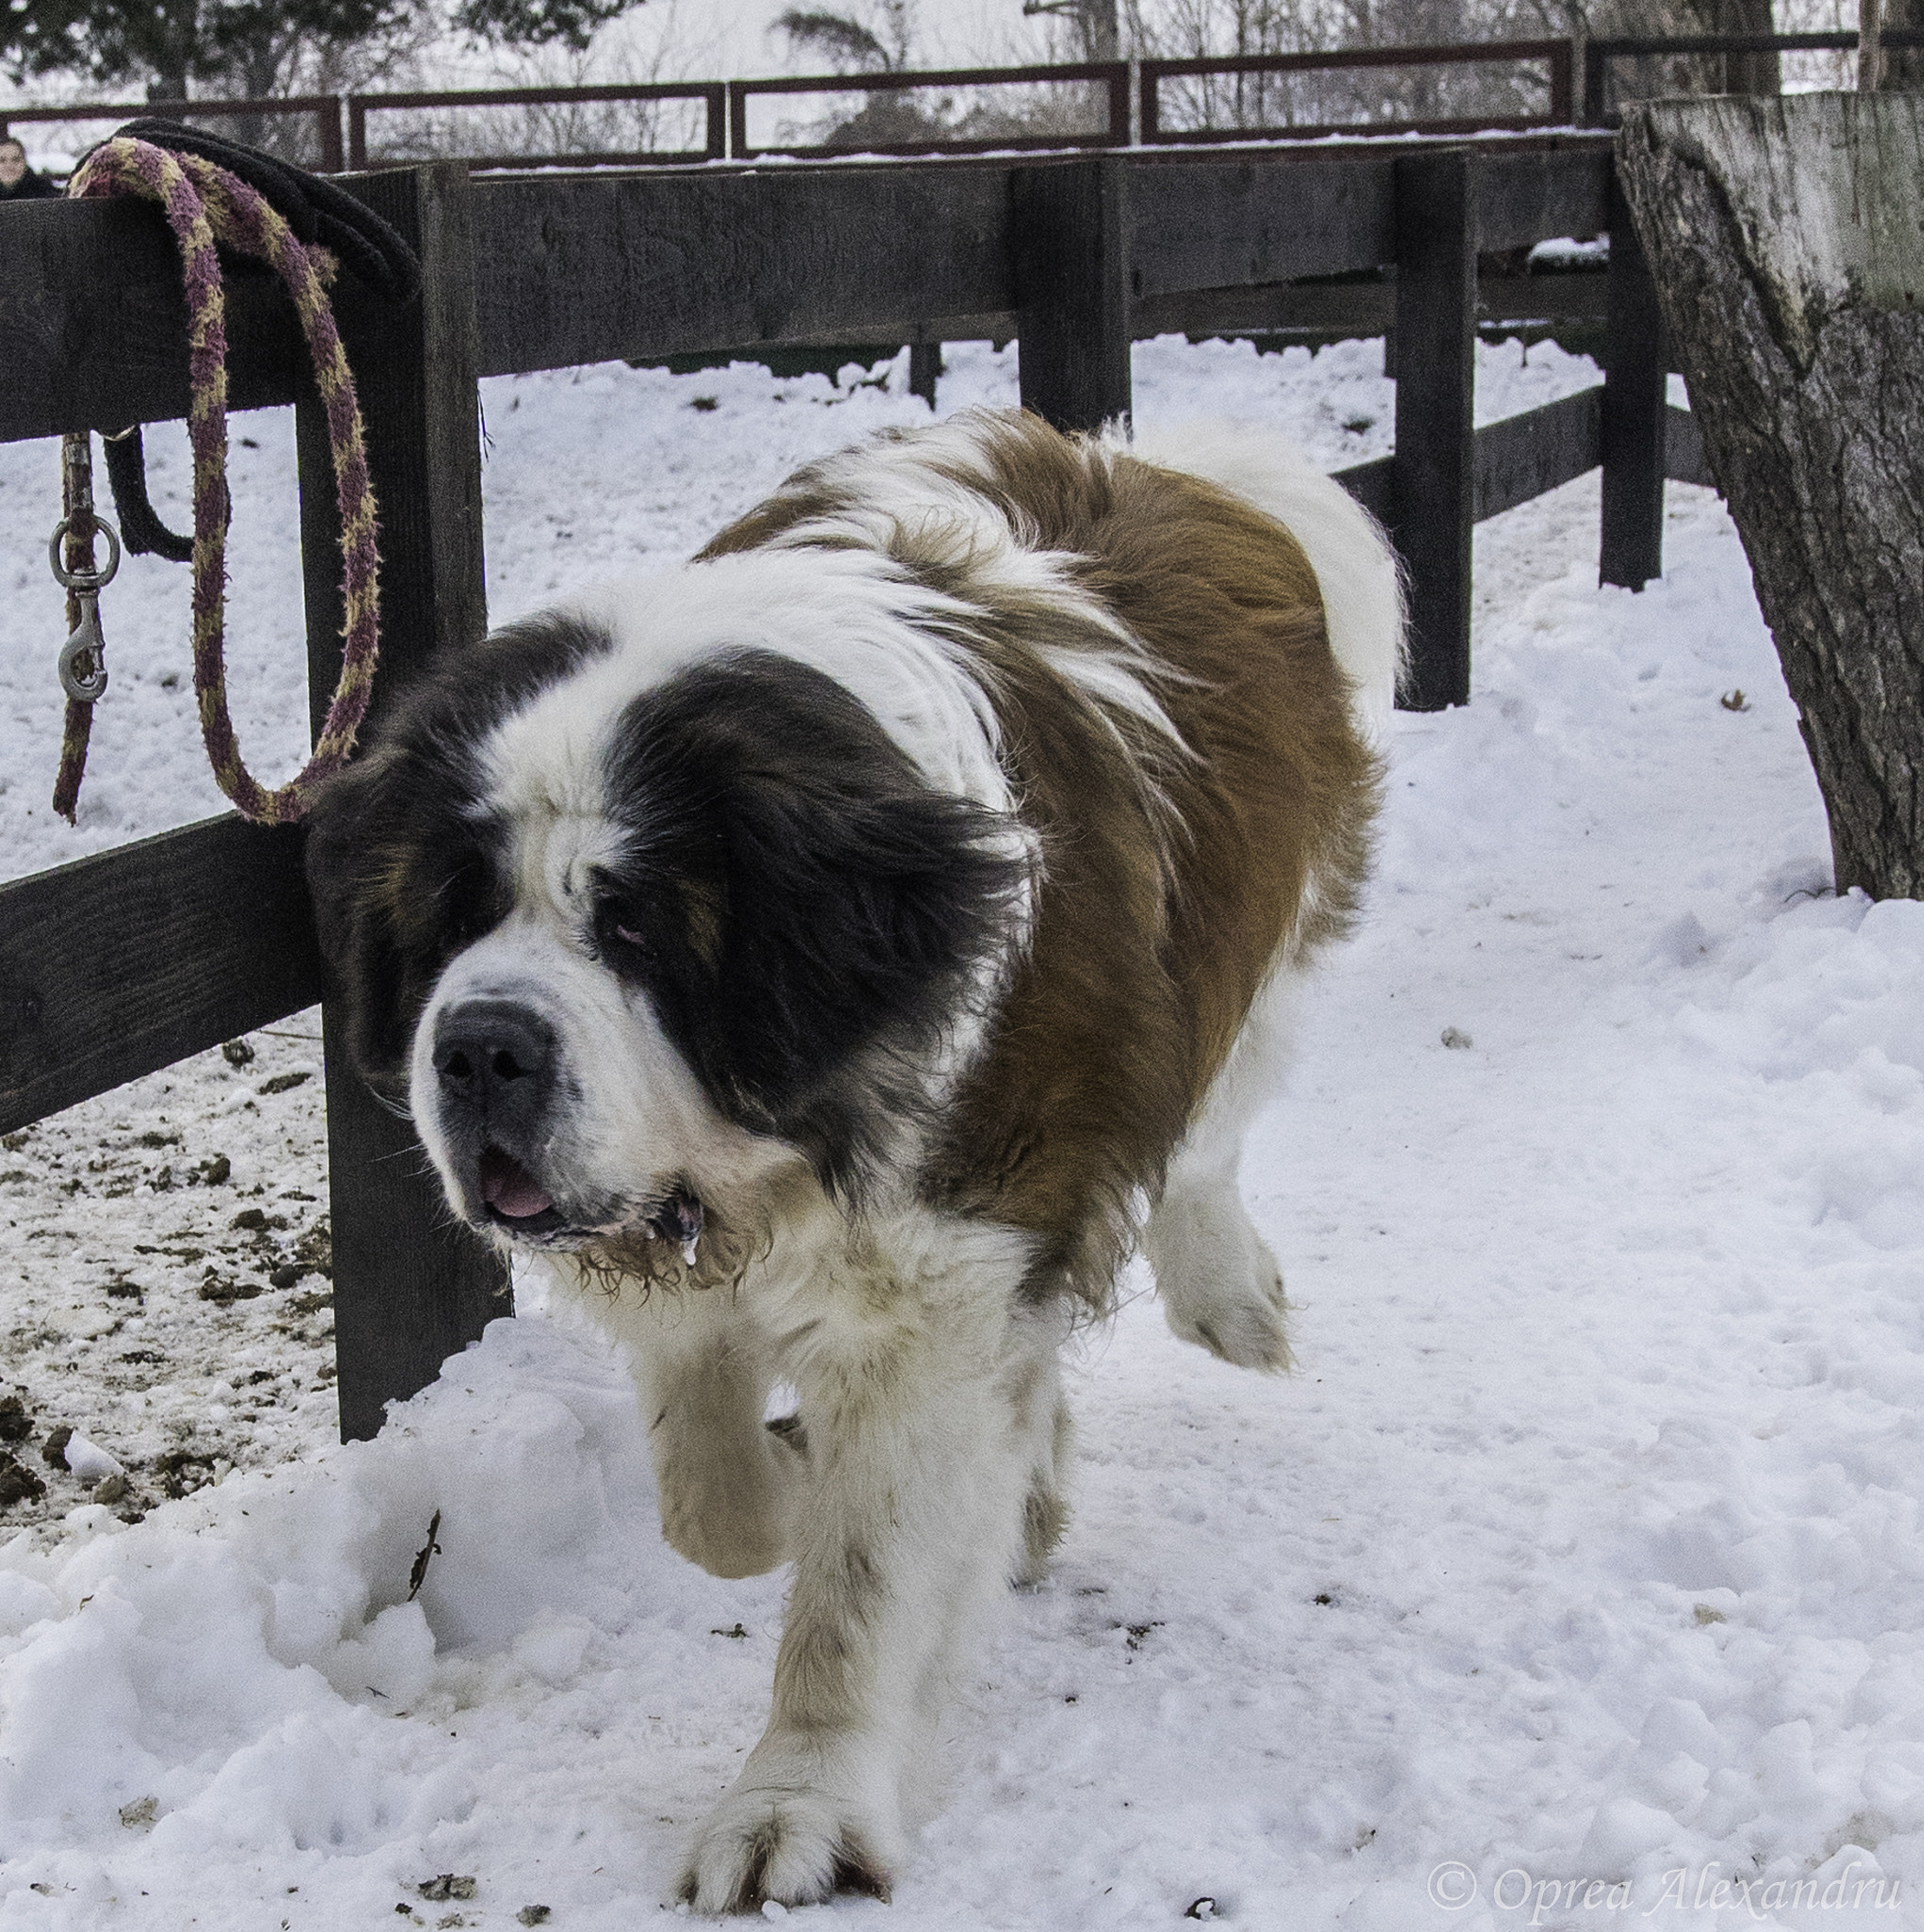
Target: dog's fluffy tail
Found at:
1355, 568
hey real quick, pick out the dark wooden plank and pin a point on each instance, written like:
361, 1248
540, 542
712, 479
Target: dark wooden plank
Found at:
1372, 484
1359, 308
1634, 381
1268, 217
1517, 458
410, 1289
593, 267
93, 325
1521, 456
1553, 297
1070, 244
1436, 339
1523, 198
121, 964
1686, 459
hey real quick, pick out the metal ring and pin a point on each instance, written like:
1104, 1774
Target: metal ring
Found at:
84, 579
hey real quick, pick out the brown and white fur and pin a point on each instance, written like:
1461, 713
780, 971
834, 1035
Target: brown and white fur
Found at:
838, 955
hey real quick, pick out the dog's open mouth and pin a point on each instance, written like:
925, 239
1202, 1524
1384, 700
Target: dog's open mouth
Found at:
679, 1220
513, 1197
515, 1200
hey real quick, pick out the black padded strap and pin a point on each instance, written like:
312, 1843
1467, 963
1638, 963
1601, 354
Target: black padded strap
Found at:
140, 529
317, 210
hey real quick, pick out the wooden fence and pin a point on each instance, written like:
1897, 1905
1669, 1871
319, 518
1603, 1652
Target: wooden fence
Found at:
120, 964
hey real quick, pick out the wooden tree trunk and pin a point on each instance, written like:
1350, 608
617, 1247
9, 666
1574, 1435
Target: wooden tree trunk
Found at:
1786, 245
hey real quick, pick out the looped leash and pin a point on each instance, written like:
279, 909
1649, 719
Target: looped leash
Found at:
83, 657
206, 204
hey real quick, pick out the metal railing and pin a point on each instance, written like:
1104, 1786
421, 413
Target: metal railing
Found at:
1557, 56
1599, 56
1111, 77
1117, 84
711, 94
325, 110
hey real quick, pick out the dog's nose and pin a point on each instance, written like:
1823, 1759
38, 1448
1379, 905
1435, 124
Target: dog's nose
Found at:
493, 1055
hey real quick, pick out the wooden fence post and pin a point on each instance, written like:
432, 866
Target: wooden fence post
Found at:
924, 370
409, 1287
1635, 394
1435, 474
1072, 275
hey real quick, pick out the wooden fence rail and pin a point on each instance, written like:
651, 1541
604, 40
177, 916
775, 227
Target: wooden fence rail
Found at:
117, 965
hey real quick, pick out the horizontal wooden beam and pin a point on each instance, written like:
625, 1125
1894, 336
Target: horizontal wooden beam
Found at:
1258, 216
121, 964
586, 268
1225, 222
1519, 458
592, 267
1337, 308
93, 325
1562, 187
1684, 460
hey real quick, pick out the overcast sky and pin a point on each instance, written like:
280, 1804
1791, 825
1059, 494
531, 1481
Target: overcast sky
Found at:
736, 38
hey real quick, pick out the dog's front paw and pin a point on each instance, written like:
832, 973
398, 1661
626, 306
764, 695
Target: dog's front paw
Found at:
788, 1834
1220, 1286
1246, 1328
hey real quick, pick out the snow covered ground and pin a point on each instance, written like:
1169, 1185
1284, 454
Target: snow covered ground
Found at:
1573, 1581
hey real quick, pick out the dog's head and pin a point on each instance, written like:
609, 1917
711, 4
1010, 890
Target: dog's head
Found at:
624, 922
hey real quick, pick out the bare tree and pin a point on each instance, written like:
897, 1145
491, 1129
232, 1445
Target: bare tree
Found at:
847, 42
1096, 25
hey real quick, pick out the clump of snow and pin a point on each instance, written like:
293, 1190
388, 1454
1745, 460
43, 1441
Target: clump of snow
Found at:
90, 1463
1579, 1563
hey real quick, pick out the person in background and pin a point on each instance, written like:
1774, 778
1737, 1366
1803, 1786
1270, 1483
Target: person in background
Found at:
18, 182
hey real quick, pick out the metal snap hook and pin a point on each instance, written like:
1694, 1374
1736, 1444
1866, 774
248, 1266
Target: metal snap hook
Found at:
83, 660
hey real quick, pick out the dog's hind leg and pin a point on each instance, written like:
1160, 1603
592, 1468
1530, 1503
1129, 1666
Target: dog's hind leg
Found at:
1220, 1286
1045, 1513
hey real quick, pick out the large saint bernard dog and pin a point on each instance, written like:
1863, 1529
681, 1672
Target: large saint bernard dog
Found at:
838, 956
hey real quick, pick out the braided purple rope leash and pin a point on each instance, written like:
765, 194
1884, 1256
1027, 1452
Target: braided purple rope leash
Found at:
204, 203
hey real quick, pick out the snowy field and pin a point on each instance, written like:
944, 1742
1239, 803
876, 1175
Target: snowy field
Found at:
1573, 1581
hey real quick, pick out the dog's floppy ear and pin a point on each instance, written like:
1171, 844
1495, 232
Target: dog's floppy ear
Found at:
401, 864
843, 904
352, 879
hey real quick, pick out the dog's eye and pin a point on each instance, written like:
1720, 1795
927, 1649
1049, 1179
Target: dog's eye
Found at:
466, 899
619, 928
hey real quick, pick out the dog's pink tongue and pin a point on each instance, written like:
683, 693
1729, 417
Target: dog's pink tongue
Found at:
510, 1189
